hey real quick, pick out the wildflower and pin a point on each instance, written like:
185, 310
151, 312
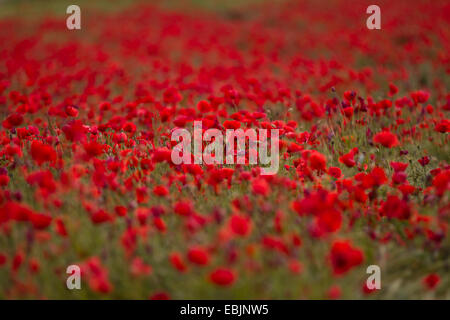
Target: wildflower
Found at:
12, 121
204, 106
71, 111
139, 267
317, 161
184, 208
222, 276
17, 261
349, 158
198, 256
260, 186
40, 221
431, 281
177, 262
386, 139
160, 191
334, 292
399, 166
424, 161
441, 182
443, 126
344, 256
93, 149
42, 153
232, 124
392, 89
121, 211
4, 180
394, 207
366, 290
100, 216
335, 172
240, 225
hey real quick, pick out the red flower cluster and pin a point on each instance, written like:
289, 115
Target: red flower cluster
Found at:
86, 170
344, 257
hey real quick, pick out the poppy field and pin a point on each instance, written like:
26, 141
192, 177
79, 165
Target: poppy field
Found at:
87, 178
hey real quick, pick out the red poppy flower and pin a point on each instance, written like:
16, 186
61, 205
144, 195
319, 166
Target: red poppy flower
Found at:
129, 127
328, 221
222, 276
40, 221
366, 290
378, 176
424, 161
160, 191
172, 95
13, 121
183, 208
240, 225
75, 131
4, 180
334, 292
394, 207
442, 182
260, 186
392, 89
100, 216
162, 154
198, 255
344, 257
17, 261
348, 159
93, 149
177, 262
71, 111
203, 106
431, 281
159, 224
61, 227
231, 124
317, 161
139, 267
121, 211
42, 153
443, 126
386, 139
100, 284
399, 178
275, 243
398, 166
348, 112
335, 172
